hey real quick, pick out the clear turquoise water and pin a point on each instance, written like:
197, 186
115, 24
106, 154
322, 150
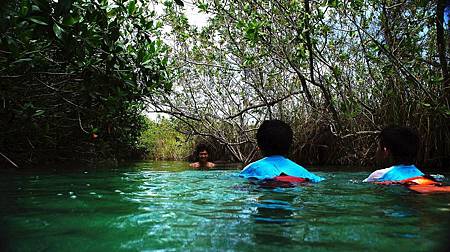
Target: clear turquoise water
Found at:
162, 206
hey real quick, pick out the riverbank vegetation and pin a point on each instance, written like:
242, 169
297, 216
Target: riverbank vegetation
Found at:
74, 76
162, 141
337, 71
77, 75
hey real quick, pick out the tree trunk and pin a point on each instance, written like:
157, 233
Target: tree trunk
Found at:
440, 42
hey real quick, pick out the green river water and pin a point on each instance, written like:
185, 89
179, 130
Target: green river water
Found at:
163, 206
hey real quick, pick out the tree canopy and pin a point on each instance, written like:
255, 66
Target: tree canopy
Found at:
338, 71
74, 76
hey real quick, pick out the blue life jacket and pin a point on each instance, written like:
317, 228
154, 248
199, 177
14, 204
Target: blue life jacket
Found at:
401, 172
273, 166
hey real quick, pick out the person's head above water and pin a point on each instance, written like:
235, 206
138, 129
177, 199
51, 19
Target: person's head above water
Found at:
274, 137
202, 155
400, 143
202, 152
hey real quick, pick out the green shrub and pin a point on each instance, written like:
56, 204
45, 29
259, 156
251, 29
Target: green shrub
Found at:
161, 141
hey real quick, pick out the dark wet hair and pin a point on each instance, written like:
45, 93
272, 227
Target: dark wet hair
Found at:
201, 147
274, 137
402, 142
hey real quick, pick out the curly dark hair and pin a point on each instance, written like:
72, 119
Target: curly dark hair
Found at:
274, 137
201, 147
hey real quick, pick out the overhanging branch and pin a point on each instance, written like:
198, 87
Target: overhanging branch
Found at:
271, 103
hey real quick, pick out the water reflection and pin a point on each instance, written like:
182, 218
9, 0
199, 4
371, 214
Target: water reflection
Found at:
416, 215
274, 217
274, 208
150, 208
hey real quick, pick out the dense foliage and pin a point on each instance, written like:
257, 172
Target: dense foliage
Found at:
74, 74
162, 141
337, 70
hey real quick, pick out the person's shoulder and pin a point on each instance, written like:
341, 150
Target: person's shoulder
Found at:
260, 169
377, 175
256, 164
252, 164
409, 167
384, 170
400, 172
284, 162
416, 168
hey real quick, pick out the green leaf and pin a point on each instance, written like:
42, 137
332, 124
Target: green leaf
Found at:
149, 24
333, 3
24, 11
35, 8
22, 60
357, 3
158, 43
38, 20
159, 24
168, 3
344, 56
179, 2
39, 112
422, 3
165, 60
58, 31
131, 7
240, 24
167, 86
70, 20
43, 4
320, 14
202, 6
152, 47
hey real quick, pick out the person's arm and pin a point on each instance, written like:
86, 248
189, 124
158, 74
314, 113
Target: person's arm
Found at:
195, 165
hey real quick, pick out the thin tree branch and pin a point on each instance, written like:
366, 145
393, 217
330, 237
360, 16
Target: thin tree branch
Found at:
271, 103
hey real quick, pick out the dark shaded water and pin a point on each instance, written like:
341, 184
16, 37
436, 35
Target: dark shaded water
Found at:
162, 206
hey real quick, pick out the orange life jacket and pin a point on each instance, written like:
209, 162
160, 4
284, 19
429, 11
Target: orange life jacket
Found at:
420, 184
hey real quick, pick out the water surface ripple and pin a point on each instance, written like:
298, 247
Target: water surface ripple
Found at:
152, 206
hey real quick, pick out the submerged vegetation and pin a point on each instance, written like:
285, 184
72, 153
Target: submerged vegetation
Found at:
76, 75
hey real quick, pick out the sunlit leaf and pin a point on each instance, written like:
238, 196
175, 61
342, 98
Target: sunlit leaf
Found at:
38, 20
58, 31
131, 7
35, 8
202, 6
22, 60
43, 4
39, 112
333, 3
